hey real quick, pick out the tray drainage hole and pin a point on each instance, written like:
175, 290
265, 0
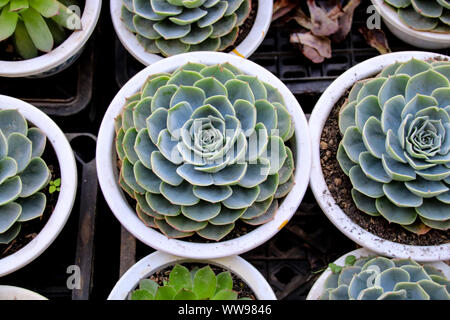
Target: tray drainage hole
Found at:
84, 147
285, 275
284, 244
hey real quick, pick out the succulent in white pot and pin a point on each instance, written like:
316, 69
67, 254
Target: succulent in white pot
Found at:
191, 279
39, 38
393, 152
25, 131
151, 30
423, 24
204, 144
362, 275
16, 293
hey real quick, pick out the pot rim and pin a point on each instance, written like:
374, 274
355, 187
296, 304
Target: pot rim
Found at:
244, 49
317, 289
66, 199
17, 293
59, 55
157, 261
391, 16
107, 169
319, 187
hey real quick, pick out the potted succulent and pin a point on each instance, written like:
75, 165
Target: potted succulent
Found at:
161, 276
203, 146
39, 38
16, 293
31, 215
423, 24
362, 275
381, 156
151, 30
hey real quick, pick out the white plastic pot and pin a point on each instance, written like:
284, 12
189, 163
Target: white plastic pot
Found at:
61, 57
108, 173
317, 289
66, 198
244, 49
420, 39
16, 293
158, 261
323, 196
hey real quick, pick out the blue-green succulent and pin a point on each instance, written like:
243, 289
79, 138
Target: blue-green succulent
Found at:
423, 15
170, 27
396, 144
203, 147
379, 278
23, 174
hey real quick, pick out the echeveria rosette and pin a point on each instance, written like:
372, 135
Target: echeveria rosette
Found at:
379, 278
170, 27
424, 15
203, 147
185, 284
36, 25
396, 144
23, 174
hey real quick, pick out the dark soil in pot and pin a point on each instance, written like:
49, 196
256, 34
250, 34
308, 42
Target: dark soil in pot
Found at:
244, 30
340, 187
239, 286
31, 229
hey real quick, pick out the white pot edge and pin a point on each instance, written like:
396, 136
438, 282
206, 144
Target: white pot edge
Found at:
317, 289
16, 293
159, 260
60, 55
66, 199
319, 187
420, 39
244, 49
107, 171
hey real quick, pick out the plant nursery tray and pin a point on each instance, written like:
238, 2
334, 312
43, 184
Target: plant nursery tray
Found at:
63, 94
93, 238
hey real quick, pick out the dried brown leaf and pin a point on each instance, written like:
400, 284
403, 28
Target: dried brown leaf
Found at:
345, 21
323, 25
302, 19
282, 8
376, 39
313, 47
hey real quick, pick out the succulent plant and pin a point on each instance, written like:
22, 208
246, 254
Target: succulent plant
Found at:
396, 144
170, 27
23, 174
424, 15
379, 278
203, 147
36, 25
197, 284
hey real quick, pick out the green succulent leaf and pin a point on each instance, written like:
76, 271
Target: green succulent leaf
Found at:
205, 283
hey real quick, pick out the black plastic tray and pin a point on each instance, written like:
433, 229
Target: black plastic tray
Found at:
63, 94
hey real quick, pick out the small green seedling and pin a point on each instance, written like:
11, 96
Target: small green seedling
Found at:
55, 186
